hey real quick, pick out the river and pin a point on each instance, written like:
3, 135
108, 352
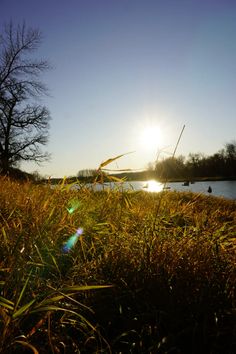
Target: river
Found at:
226, 189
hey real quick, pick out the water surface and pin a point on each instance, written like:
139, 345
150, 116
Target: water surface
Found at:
226, 189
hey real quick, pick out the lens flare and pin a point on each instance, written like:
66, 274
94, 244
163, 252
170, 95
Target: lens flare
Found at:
71, 242
73, 205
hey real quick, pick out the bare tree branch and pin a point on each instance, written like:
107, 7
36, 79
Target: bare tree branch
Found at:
23, 126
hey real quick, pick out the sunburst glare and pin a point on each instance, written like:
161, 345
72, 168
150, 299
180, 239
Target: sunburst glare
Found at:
153, 186
152, 137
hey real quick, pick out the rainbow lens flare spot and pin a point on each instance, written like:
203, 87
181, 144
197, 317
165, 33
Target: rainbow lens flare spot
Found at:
71, 242
73, 205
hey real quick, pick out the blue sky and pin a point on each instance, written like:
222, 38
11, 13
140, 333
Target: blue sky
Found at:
120, 66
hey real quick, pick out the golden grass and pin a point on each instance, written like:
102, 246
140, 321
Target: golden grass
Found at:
170, 259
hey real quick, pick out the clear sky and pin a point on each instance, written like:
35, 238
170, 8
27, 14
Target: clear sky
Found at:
121, 66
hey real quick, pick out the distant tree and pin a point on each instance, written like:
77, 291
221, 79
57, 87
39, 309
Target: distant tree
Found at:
150, 166
230, 158
171, 167
196, 166
215, 165
221, 164
230, 150
87, 173
23, 123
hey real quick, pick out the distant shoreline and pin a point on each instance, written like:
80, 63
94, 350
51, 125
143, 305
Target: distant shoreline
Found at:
144, 178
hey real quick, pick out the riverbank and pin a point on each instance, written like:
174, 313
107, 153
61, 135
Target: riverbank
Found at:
131, 177
202, 179
165, 263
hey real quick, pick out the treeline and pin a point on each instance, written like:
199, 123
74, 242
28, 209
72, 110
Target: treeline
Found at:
220, 165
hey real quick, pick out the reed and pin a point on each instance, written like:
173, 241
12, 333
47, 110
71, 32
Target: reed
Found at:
135, 281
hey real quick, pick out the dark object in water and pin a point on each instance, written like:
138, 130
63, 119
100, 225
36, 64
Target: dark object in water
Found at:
209, 189
186, 183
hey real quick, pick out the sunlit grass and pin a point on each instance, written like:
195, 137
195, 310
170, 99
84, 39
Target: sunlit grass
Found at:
151, 272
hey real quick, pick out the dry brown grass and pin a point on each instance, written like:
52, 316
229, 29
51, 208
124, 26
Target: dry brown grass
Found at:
170, 258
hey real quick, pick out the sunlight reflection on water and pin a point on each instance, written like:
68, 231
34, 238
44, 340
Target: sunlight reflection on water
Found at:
153, 186
226, 189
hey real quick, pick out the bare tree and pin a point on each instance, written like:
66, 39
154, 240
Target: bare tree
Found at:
24, 124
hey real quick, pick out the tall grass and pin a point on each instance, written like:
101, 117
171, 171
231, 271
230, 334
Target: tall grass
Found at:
140, 279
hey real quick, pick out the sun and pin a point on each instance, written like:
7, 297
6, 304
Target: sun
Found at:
151, 137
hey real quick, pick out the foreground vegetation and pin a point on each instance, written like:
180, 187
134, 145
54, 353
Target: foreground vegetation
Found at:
151, 273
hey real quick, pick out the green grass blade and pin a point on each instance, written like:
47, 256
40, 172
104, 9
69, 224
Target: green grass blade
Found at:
6, 240
6, 303
9, 302
23, 309
23, 290
84, 288
52, 308
55, 263
61, 297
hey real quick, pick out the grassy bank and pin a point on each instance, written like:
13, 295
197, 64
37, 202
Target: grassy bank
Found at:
151, 273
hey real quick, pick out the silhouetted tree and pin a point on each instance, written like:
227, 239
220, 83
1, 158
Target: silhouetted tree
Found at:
23, 123
171, 167
230, 158
195, 164
222, 164
230, 150
215, 165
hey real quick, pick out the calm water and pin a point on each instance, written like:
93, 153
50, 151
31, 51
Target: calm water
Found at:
225, 189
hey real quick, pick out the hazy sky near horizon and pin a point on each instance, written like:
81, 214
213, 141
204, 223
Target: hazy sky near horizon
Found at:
120, 66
